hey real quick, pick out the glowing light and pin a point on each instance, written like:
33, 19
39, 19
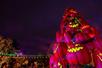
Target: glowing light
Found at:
70, 23
84, 27
100, 54
7, 54
56, 49
68, 46
75, 49
77, 45
74, 25
59, 64
99, 57
72, 10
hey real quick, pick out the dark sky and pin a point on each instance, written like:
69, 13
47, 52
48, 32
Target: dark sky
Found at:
33, 23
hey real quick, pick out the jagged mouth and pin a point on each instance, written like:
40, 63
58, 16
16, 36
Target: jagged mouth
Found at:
75, 49
74, 25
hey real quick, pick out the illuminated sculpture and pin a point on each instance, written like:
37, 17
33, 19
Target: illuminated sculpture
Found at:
77, 43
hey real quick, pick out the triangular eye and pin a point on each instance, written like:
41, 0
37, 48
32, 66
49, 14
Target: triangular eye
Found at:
73, 20
68, 16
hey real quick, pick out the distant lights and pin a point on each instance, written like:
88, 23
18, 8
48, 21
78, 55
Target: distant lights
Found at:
2, 54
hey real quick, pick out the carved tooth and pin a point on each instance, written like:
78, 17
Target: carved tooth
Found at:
81, 47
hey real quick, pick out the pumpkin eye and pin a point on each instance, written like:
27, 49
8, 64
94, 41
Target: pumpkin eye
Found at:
70, 23
68, 16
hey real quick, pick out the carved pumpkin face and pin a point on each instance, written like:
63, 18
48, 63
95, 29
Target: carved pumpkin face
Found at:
71, 19
73, 22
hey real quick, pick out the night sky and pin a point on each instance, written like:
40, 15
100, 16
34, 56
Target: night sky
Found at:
33, 23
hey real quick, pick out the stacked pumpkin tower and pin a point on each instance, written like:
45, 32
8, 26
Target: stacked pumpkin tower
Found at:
77, 43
